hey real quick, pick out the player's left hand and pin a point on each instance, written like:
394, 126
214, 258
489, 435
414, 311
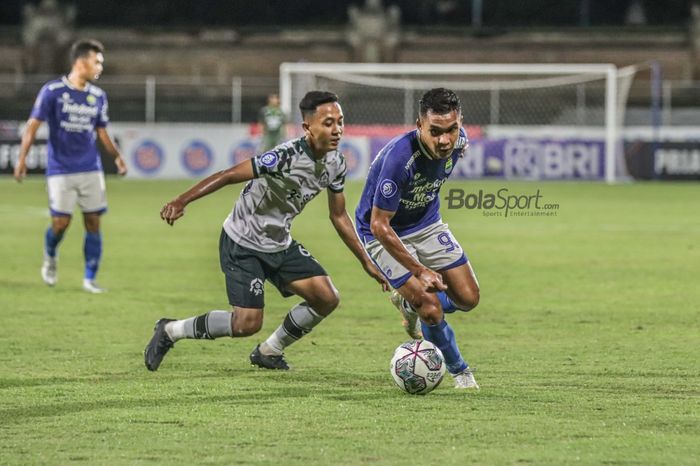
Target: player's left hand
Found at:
121, 166
172, 211
20, 170
431, 280
374, 272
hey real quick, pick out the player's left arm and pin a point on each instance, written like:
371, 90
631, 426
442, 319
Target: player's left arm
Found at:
108, 145
343, 225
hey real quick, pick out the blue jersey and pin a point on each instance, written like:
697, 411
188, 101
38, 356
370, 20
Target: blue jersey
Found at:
404, 179
72, 116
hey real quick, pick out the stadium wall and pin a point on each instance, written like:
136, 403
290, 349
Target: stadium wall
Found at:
553, 153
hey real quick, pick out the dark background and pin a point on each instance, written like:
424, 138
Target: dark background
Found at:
280, 13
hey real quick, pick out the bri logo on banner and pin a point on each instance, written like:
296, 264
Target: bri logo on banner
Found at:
148, 157
196, 157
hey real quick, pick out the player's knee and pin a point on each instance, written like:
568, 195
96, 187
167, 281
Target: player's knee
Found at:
92, 223
326, 302
428, 308
468, 299
246, 323
59, 225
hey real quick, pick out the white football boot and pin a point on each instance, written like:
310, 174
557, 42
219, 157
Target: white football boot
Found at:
465, 379
92, 287
411, 322
48, 270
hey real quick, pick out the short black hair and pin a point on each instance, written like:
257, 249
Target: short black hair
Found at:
83, 47
439, 101
313, 99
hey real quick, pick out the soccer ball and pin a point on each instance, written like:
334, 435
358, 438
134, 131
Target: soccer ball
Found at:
417, 367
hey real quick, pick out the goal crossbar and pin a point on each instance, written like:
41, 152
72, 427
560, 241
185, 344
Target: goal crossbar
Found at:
606, 71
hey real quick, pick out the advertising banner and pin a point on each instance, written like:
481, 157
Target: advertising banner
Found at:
195, 151
179, 150
533, 159
663, 160
10, 141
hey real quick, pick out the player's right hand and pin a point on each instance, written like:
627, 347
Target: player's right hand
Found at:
20, 170
431, 280
172, 211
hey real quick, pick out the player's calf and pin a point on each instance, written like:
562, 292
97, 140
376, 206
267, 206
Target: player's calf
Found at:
300, 320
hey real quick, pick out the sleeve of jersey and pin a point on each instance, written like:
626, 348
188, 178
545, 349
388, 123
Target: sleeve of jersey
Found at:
338, 184
462, 142
42, 105
390, 183
269, 163
103, 116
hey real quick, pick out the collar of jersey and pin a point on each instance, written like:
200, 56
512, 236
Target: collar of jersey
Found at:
307, 151
70, 86
422, 148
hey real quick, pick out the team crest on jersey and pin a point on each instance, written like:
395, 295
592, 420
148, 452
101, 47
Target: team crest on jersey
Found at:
256, 287
268, 159
448, 166
324, 178
91, 99
388, 188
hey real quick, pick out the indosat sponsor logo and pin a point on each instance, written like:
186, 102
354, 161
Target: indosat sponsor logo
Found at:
502, 203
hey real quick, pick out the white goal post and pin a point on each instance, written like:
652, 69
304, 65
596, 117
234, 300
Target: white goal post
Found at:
602, 88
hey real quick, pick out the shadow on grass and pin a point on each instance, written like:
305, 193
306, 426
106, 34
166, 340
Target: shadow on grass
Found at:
252, 387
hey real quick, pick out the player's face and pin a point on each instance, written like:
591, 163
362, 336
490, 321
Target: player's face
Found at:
439, 133
324, 129
92, 65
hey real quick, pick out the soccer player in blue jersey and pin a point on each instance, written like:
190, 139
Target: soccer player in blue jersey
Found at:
76, 113
398, 221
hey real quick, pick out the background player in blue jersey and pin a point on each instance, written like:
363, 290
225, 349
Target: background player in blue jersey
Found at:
76, 113
398, 221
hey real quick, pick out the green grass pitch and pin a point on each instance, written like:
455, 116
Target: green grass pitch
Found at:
586, 341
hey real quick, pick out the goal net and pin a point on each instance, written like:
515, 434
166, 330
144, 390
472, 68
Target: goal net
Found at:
533, 121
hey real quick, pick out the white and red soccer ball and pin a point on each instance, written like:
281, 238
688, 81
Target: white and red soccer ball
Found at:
417, 367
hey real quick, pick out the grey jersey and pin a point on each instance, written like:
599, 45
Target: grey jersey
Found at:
286, 178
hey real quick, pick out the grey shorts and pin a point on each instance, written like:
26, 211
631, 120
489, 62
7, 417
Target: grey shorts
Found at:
434, 246
85, 189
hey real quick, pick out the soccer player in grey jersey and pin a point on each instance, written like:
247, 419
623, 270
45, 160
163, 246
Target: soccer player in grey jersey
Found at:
255, 243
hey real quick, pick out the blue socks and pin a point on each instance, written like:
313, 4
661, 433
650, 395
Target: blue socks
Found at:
448, 307
442, 336
51, 241
93, 251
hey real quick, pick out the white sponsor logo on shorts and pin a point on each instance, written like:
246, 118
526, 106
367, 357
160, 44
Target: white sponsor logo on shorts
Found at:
256, 286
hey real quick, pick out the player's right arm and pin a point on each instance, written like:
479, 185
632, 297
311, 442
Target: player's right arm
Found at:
236, 174
385, 234
28, 138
